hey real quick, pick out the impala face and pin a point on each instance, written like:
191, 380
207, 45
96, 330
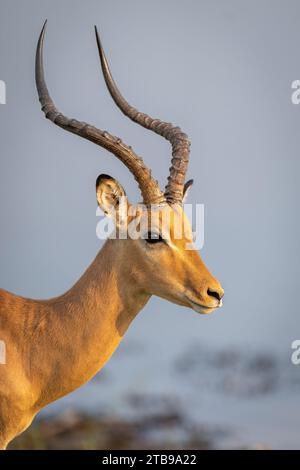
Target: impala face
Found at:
159, 243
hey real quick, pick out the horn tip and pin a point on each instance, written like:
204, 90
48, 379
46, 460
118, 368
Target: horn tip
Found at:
45, 24
42, 34
96, 32
98, 40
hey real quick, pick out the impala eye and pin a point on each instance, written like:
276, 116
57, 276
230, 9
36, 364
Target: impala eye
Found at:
153, 237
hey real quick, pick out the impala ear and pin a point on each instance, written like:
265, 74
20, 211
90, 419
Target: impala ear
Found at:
186, 189
110, 194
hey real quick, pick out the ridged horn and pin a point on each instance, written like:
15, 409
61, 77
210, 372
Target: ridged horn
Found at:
178, 139
149, 187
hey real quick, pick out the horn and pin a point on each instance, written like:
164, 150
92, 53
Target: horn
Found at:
149, 187
178, 139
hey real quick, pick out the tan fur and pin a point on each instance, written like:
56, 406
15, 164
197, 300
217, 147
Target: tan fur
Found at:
54, 346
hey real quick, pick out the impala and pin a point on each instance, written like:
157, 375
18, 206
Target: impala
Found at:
54, 346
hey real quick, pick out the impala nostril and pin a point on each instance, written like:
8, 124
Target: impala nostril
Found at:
214, 293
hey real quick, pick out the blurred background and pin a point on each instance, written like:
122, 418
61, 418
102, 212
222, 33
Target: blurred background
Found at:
223, 72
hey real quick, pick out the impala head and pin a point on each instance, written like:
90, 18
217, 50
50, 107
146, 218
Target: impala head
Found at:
158, 236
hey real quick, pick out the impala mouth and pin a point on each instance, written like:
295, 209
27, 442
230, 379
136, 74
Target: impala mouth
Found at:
204, 309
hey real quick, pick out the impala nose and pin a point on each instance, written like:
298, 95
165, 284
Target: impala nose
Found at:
217, 293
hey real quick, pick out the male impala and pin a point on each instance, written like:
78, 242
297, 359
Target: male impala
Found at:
54, 346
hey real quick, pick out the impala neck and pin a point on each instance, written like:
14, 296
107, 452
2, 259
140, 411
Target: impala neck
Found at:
91, 318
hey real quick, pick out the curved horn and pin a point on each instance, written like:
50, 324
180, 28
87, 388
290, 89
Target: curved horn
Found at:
148, 186
178, 139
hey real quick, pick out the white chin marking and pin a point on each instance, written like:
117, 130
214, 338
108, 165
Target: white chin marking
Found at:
203, 310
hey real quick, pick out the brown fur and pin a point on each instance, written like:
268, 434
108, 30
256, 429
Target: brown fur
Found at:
54, 346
